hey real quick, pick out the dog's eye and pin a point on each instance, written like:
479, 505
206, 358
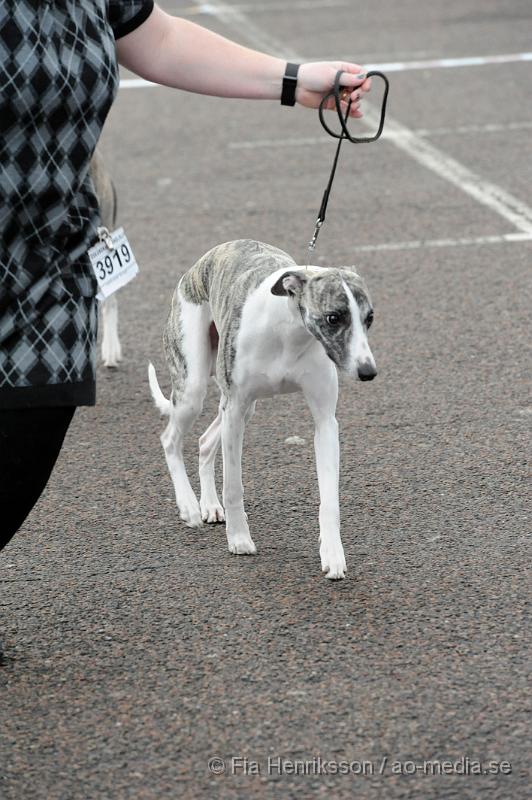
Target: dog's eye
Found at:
333, 319
369, 320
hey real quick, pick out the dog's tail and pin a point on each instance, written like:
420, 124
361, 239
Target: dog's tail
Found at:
159, 399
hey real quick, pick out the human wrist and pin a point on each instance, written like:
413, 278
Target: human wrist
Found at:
271, 78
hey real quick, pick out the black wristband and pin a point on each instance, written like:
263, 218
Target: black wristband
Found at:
288, 93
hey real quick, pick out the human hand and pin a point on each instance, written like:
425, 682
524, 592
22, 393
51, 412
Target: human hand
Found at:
316, 79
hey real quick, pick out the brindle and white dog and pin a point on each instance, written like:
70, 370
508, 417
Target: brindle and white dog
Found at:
263, 325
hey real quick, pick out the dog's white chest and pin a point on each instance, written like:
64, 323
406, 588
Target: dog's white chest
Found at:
264, 365
272, 353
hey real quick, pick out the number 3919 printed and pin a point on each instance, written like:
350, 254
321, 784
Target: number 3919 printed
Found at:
113, 268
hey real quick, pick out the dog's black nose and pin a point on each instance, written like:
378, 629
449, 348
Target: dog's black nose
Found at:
366, 372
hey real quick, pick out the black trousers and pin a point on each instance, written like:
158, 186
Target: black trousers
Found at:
30, 441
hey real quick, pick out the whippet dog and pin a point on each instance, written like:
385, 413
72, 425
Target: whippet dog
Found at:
106, 194
247, 313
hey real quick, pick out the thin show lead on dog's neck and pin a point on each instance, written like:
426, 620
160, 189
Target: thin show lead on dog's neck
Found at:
248, 314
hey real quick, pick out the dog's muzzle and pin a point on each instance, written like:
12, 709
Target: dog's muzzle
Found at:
366, 371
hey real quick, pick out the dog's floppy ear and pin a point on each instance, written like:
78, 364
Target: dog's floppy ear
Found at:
289, 284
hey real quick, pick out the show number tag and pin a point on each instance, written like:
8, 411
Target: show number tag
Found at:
113, 262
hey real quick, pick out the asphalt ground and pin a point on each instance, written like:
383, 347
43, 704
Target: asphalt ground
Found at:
136, 648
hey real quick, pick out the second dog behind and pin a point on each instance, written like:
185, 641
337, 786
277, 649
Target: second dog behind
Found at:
263, 325
106, 194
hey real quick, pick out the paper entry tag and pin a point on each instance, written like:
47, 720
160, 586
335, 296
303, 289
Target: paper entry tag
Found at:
113, 267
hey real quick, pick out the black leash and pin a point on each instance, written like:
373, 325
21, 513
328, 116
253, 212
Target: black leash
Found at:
344, 134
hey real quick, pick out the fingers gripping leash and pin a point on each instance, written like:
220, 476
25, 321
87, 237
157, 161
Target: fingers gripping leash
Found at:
344, 133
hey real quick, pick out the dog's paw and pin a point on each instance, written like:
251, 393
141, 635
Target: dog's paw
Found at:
110, 363
335, 572
212, 512
111, 353
190, 514
333, 563
241, 544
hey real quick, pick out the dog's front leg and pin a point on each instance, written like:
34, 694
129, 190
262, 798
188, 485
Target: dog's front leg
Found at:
236, 522
321, 397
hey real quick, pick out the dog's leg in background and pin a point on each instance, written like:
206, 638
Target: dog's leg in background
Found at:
211, 508
111, 347
322, 405
234, 417
107, 200
172, 438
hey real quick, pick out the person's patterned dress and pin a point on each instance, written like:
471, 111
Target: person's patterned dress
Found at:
58, 78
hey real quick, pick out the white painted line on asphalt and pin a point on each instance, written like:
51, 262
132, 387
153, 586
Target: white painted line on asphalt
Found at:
466, 130
460, 242
256, 144
295, 5
449, 63
484, 192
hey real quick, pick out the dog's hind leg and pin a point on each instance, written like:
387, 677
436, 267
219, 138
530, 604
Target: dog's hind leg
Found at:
189, 354
211, 508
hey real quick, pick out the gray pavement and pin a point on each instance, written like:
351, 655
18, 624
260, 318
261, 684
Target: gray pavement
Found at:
136, 648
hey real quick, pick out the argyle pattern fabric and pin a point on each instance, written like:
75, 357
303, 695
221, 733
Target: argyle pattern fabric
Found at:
58, 78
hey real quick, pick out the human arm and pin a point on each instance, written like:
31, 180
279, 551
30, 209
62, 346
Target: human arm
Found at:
175, 52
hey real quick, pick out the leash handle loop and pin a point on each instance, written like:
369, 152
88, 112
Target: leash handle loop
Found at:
345, 134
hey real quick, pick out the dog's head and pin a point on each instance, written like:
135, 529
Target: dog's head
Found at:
336, 309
